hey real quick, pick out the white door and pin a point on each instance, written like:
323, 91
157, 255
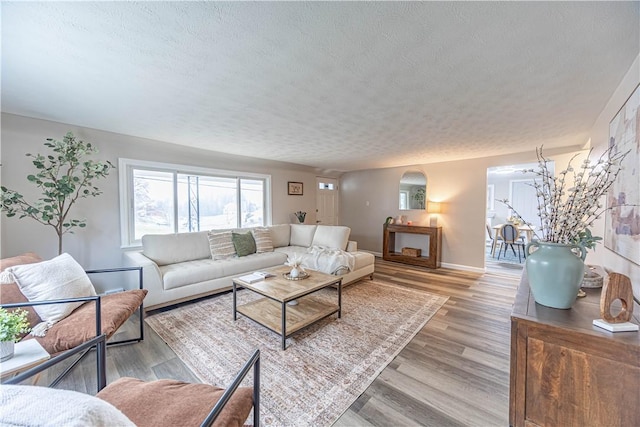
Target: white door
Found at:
523, 199
326, 201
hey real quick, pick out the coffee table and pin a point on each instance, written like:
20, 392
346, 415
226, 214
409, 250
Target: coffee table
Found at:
275, 314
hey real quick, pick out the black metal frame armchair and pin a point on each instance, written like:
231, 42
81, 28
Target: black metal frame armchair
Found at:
100, 349
99, 342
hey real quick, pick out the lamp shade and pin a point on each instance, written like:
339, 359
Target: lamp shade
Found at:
433, 207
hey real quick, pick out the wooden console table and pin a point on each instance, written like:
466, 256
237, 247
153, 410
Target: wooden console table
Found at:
435, 245
567, 372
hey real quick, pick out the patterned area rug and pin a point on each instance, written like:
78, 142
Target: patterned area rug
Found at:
325, 367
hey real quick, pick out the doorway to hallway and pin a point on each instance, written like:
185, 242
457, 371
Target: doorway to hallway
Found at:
515, 184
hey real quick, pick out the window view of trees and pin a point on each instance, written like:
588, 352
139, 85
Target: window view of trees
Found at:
153, 202
199, 202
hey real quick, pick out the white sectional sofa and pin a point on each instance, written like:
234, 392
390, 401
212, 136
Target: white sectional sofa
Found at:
180, 267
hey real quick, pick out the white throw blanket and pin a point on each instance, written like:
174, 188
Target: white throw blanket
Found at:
327, 260
35, 406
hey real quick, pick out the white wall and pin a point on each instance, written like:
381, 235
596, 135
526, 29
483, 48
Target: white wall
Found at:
599, 136
461, 186
98, 245
366, 197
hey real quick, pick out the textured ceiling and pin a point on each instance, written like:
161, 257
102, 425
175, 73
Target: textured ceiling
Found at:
334, 85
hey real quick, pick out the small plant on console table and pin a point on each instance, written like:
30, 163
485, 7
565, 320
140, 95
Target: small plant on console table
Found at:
301, 216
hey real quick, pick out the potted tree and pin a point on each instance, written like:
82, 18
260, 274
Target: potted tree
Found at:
12, 325
64, 176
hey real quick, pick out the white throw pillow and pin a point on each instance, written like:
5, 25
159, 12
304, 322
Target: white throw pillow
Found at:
221, 245
262, 236
25, 405
58, 278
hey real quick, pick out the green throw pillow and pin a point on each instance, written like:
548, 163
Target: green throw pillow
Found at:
244, 244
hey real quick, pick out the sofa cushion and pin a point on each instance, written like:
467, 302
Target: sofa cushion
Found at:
262, 236
292, 251
57, 278
221, 244
331, 236
171, 248
175, 403
363, 259
280, 235
190, 272
244, 243
302, 235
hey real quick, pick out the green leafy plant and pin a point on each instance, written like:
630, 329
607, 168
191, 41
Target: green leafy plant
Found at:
301, 216
64, 177
586, 239
13, 324
570, 203
419, 197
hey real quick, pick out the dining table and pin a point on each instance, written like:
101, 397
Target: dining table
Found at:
521, 227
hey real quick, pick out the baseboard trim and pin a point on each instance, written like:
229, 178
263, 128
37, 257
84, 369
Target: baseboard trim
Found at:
444, 264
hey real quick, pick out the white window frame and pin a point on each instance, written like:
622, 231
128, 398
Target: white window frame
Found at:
125, 183
404, 193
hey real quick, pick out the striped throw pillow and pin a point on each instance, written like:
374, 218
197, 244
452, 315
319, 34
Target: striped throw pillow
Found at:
221, 245
263, 240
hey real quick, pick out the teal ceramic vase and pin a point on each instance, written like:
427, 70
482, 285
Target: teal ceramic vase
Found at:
555, 272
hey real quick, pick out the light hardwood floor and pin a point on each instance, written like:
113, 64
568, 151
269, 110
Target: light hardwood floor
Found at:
454, 372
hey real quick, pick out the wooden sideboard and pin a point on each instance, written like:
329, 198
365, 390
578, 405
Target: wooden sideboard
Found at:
567, 372
435, 245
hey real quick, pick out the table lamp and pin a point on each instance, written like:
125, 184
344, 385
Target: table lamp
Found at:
433, 209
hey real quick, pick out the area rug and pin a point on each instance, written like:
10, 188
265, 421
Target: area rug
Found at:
325, 367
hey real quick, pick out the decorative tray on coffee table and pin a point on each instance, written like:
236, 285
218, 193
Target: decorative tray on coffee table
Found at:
303, 275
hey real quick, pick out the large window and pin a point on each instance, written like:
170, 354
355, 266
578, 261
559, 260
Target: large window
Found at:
157, 198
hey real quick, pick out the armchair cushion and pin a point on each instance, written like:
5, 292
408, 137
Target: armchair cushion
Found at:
170, 402
60, 277
80, 326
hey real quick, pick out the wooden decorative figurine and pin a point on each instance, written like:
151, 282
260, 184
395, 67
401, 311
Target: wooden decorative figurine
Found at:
617, 288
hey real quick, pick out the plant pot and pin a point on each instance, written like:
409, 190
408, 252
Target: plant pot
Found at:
7, 349
555, 273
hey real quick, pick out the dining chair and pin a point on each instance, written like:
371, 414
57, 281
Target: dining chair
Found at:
510, 238
494, 243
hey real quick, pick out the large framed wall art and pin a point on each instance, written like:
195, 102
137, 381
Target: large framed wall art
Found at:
622, 223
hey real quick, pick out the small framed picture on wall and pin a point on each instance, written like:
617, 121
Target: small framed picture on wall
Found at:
295, 188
